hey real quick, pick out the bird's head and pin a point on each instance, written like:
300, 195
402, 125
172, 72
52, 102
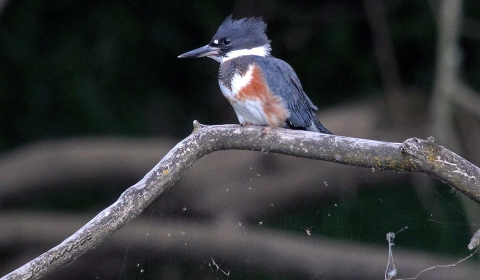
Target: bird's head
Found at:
235, 38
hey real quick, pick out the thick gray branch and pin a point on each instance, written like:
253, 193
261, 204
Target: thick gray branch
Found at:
444, 165
413, 156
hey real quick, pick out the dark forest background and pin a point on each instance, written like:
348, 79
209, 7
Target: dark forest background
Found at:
71, 68
92, 93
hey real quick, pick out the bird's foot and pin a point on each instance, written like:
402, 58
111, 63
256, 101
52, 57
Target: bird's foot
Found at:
266, 130
245, 124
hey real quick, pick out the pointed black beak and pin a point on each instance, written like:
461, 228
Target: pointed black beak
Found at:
201, 52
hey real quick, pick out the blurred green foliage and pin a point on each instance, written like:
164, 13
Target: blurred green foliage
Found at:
73, 68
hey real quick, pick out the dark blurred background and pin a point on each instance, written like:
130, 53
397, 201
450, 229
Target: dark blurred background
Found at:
92, 93
74, 68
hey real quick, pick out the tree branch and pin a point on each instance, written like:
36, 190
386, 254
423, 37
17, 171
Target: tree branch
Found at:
414, 155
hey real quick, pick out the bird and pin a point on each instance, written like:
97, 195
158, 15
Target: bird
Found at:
263, 90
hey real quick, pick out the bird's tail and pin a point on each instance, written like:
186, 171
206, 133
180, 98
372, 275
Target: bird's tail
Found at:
317, 126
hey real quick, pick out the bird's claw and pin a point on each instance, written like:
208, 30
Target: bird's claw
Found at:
245, 124
266, 130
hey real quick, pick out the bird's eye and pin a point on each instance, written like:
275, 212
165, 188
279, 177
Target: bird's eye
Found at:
227, 41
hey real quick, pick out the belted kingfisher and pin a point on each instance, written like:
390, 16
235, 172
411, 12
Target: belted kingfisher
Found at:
262, 89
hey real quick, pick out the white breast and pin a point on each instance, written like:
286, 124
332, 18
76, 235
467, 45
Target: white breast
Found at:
237, 83
250, 111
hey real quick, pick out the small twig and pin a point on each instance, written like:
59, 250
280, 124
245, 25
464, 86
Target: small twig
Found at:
441, 266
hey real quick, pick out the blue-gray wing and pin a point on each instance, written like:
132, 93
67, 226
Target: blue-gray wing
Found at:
283, 81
